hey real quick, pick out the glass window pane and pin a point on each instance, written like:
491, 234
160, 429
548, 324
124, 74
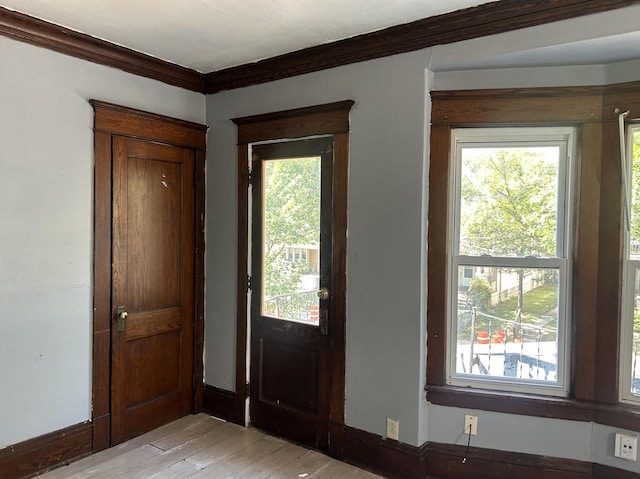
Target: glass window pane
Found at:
291, 218
508, 201
635, 355
507, 323
634, 240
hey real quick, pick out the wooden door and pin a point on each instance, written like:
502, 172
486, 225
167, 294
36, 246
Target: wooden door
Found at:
152, 285
291, 262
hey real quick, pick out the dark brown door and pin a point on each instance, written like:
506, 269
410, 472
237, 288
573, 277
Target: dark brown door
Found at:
152, 285
291, 289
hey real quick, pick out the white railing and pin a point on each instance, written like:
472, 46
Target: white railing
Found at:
514, 348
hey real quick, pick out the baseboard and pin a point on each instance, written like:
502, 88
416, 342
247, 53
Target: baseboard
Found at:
387, 457
221, 403
446, 461
608, 472
36, 455
396, 460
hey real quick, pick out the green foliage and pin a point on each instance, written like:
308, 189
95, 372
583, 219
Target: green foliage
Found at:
540, 301
480, 293
508, 203
291, 216
509, 199
635, 188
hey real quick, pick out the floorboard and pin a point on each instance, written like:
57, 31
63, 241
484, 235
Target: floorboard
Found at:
202, 447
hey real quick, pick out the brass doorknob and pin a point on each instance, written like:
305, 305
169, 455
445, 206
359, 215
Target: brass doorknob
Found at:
122, 316
323, 293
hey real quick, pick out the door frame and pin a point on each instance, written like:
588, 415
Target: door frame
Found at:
328, 119
115, 120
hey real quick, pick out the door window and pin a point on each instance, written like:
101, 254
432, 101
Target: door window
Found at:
291, 222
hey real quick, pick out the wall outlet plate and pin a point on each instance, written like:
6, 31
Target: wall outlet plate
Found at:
471, 425
393, 428
626, 447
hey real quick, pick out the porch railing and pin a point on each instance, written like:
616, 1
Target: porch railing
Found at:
293, 306
527, 350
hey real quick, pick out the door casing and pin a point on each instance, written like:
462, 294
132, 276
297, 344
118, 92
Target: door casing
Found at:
115, 120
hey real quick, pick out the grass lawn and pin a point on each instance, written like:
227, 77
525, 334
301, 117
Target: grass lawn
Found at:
541, 301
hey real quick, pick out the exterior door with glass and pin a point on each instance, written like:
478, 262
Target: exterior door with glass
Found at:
290, 289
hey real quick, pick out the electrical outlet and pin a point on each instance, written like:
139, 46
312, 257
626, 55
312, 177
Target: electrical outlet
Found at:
626, 447
393, 428
471, 424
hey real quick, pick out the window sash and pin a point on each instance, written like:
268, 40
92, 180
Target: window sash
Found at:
560, 137
628, 292
557, 388
626, 349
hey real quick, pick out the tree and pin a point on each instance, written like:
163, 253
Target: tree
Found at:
479, 293
635, 189
291, 216
508, 204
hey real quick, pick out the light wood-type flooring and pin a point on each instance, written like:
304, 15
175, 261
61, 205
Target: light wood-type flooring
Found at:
201, 447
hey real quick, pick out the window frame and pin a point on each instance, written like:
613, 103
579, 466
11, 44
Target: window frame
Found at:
597, 257
509, 137
630, 266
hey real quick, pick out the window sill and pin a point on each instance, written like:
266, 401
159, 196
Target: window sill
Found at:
622, 415
511, 403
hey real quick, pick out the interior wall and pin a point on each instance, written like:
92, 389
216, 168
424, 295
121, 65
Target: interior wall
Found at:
46, 218
46, 147
517, 433
387, 196
603, 441
385, 351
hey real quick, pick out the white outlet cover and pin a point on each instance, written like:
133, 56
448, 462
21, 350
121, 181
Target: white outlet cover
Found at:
626, 447
470, 425
393, 428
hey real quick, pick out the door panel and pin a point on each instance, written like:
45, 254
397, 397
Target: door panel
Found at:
289, 376
291, 260
152, 283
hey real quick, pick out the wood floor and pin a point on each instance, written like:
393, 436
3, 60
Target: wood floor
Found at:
201, 447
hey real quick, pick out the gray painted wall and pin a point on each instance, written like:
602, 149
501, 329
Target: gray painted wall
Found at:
385, 349
388, 193
46, 217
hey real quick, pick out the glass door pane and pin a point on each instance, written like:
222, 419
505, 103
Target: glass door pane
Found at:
291, 239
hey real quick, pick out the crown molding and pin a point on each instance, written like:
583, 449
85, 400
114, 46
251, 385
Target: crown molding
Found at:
38, 32
465, 24
483, 20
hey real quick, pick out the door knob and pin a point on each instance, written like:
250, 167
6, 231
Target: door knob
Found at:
323, 293
122, 317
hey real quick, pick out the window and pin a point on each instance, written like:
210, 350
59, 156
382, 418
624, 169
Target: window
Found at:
509, 263
630, 344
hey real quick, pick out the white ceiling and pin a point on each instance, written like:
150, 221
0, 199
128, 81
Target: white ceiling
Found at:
208, 35
596, 51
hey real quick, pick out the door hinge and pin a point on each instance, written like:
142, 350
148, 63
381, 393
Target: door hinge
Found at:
249, 285
250, 178
248, 390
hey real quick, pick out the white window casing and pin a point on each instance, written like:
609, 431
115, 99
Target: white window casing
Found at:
562, 138
629, 344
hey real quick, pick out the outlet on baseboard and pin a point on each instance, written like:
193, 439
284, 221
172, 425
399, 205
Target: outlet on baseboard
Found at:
393, 428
